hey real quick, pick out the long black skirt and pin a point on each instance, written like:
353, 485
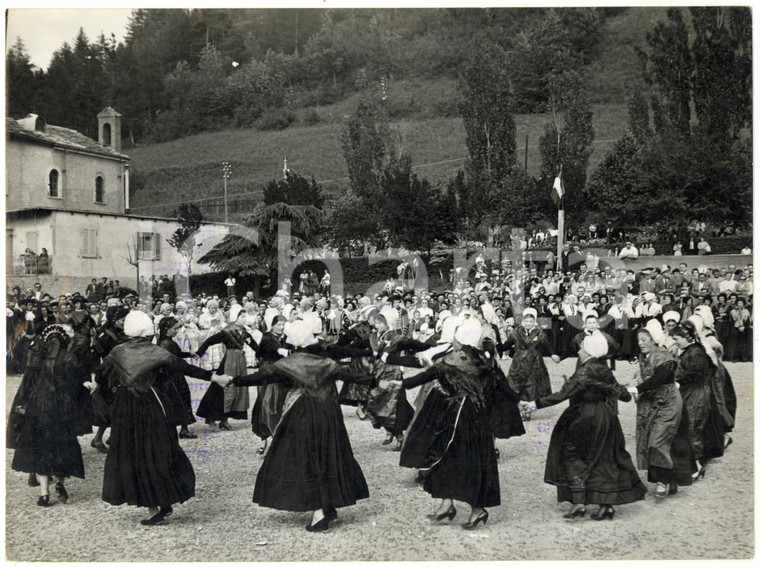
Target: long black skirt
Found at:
47, 449
587, 460
267, 409
231, 402
389, 408
452, 441
310, 464
145, 465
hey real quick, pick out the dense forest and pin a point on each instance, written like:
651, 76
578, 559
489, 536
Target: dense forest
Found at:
184, 71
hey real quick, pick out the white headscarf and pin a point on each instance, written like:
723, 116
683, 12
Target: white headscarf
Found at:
300, 334
655, 329
138, 324
234, 312
468, 333
595, 345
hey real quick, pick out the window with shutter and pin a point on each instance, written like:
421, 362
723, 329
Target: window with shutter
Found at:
157, 243
89, 247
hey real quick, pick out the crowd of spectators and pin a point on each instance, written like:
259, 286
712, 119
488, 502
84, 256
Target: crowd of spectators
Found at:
624, 299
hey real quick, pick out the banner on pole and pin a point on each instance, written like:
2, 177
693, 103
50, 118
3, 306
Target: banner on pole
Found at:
558, 189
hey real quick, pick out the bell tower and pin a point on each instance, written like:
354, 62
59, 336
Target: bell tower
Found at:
109, 129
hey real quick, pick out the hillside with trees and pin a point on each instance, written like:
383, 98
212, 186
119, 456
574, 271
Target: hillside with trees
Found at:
434, 124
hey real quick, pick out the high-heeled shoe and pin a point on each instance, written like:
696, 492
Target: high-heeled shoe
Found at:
60, 490
575, 511
44, 501
32, 480
449, 514
387, 440
482, 517
158, 518
99, 445
699, 474
187, 435
604, 512
331, 513
225, 426
321, 526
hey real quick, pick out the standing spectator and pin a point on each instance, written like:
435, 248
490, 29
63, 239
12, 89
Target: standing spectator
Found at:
703, 247
230, 283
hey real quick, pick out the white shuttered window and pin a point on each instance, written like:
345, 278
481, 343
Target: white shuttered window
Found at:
89, 243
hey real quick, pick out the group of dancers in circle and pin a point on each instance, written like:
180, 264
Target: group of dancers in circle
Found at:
686, 406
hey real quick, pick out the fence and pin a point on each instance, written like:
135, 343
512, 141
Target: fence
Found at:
30, 264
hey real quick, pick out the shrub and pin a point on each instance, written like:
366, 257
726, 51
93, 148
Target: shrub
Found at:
312, 117
275, 119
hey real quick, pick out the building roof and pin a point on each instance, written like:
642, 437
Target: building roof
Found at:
44, 211
58, 136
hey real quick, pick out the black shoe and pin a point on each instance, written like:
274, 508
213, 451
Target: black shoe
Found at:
699, 474
60, 490
225, 426
44, 501
673, 489
575, 511
604, 512
187, 435
331, 514
482, 517
321, 526
159, 518
99, 445
32, 480
387, 440
449, 514
399, 443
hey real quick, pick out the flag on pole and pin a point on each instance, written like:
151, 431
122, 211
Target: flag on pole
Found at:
558, 189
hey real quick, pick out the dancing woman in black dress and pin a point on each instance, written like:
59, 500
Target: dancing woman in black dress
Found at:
662, 424
695, 374
43, 430
102, 397
587, 459
177, 388
231, 403
451, 439
145, 466
310, 465
267, 409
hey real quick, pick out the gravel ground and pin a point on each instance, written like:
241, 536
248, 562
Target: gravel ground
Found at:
712, 519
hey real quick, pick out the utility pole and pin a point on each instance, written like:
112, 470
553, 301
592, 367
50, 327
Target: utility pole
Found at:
226, 172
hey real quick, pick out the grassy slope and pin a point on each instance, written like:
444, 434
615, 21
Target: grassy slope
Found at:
190, 168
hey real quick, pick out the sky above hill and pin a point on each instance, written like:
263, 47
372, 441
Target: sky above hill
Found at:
44, 30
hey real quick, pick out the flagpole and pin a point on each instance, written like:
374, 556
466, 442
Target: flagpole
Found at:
560, 219
560, 229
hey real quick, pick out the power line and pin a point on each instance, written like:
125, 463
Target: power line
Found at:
322, 182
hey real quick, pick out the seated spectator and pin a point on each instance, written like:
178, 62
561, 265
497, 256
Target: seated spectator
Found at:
630, 251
